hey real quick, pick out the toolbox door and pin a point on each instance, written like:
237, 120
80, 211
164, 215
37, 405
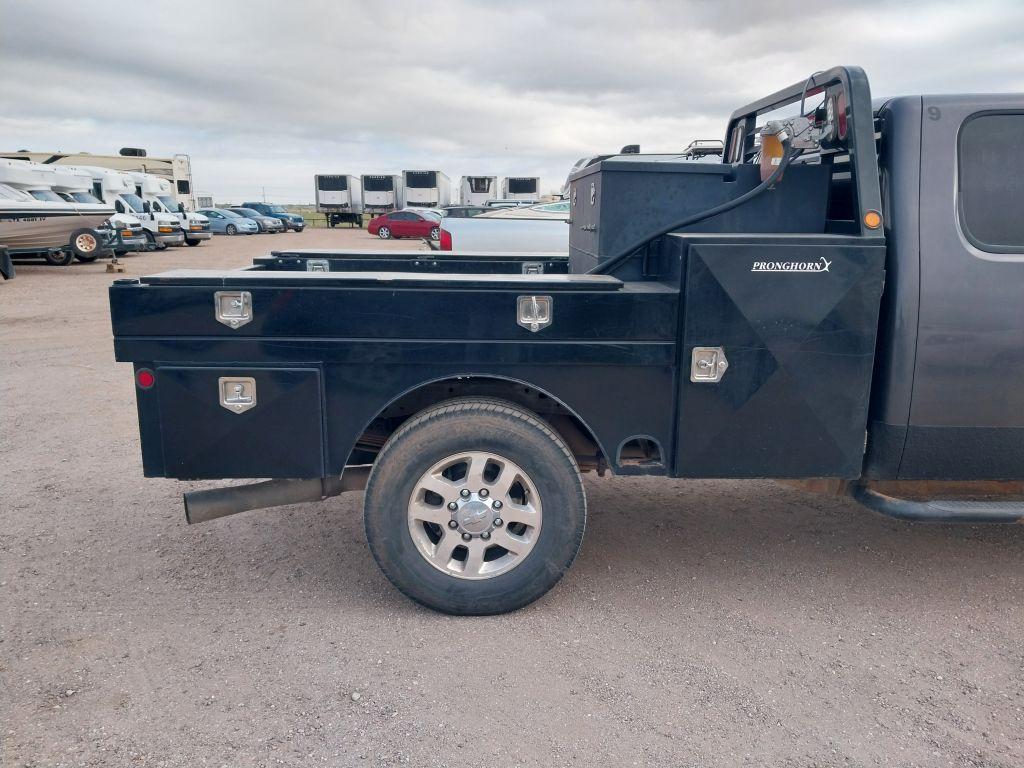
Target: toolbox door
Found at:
777, 353
241, 421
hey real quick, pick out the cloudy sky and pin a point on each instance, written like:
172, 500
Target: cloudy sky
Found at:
265, 94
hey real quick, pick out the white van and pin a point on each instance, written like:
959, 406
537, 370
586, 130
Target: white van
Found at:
159, 193
118, 189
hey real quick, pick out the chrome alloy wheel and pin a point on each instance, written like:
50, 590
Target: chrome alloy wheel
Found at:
474, 515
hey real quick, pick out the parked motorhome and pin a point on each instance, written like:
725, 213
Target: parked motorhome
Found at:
520, 188
177, 168
477, 190
382, 193
159, 193
339, 197
36, 221
118, 189
75, 186
426, 189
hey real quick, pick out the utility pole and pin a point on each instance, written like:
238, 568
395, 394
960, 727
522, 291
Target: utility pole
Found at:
264, 194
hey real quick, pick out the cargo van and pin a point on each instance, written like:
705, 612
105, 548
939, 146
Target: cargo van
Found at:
74, 185
117, 188
159, 194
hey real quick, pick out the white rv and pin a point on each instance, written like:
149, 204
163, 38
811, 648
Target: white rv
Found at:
340, 198
36, 221
177, 169
521, 188
118, 189
382, 193
159, 193
75, 185
426, 189
477, 190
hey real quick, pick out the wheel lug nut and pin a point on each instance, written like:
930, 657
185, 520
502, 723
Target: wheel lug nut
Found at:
464, 493
453, 524
452, 506
485, 535
496, 504
498, 522
467, 536
484, 493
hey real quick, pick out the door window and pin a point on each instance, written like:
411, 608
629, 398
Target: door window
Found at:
991, 181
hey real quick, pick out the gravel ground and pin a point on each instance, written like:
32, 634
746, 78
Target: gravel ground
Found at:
704, 623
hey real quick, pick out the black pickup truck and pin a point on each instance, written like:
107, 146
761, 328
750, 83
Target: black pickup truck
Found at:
838, 303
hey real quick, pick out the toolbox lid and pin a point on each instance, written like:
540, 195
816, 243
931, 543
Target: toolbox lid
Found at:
404, 280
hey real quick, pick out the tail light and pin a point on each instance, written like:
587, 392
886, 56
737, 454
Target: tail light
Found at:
445, 240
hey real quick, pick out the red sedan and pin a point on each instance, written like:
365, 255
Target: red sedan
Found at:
405, 224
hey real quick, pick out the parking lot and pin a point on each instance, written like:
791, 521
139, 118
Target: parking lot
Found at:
704, 623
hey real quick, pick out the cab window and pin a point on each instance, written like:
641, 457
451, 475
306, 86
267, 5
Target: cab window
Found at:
991, 181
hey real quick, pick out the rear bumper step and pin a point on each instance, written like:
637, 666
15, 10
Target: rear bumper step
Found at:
940, 511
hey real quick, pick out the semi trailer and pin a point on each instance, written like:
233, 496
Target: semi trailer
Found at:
339, 197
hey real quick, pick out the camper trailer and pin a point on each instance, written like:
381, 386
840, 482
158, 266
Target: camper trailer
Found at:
521, 188
426, 189
339, 197
382, 193
477, 190
177, 169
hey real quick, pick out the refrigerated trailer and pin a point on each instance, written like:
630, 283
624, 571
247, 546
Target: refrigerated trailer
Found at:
477, 190
426, 189
382, 193
339, 197
520, 188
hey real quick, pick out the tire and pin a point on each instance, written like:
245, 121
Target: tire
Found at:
384, 233
435, 234
86, 244
193, 243
151, 241
59, 258
545, 479
231, 229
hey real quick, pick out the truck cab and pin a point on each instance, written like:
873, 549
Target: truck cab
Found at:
159, 193
804, 310
117, 188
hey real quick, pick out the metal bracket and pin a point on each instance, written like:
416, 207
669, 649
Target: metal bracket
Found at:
233, 308
533, 268
318, 265
708, 365
534, 312
237, 393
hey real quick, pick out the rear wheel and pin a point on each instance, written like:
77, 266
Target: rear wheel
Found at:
435, 234
474, 507
231, 229
86, 244
384, 233
194, 243
59, 258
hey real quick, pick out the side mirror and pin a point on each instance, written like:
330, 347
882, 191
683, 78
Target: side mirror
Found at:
146, 207
181, 207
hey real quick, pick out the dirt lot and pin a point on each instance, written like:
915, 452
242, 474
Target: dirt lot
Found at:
704, 623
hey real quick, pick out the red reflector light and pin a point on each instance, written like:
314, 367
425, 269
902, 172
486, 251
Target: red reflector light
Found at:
445, 240
145, 378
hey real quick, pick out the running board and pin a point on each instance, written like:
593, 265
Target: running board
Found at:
938, 511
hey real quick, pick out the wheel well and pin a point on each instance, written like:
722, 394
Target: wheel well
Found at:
578, 437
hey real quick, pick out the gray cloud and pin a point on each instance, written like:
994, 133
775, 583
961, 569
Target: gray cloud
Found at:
266, 94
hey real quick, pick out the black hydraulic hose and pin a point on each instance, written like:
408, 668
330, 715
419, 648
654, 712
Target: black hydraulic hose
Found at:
769, 183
